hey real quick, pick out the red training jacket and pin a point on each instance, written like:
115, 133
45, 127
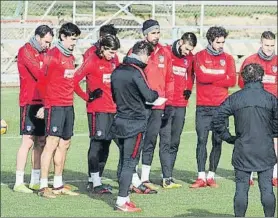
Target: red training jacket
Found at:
56, 85
183, 77
97, 72
159, 74
29, 63
214, 75
270, 72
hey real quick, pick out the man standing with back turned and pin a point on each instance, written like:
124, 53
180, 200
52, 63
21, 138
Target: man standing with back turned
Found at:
255, 115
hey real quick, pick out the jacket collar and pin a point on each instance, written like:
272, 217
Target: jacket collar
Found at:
130, 60
254, 85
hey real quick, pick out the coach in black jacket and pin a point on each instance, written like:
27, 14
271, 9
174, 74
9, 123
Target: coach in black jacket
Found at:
130, 92
256, 124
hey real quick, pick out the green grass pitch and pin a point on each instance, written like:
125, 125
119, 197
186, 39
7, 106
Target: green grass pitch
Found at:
175, 203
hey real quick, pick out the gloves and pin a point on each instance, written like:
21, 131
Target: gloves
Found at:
186, 94
167, 112
97, 93
231, 140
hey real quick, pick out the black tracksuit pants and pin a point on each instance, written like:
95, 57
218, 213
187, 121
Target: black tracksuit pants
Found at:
170, 134
242, 188
130, 149
203, 124
153, 128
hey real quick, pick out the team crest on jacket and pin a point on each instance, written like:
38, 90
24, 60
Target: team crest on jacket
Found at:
113, 65
28, 128
274, 69
185, 63
222, 62
54, 129
161, 58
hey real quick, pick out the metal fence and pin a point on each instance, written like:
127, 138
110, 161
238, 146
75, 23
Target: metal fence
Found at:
245, 20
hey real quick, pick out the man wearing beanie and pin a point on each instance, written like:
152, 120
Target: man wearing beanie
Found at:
268, 60
30, 62
215, 73
159, 74
56, 87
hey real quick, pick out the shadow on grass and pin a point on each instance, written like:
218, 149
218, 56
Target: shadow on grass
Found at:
194, 212
77, 180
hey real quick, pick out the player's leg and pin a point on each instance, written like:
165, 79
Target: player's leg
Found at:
202, 128
54, 120
176, 131
39, 133
241, 193
267, 195
154, 124
26, 129
131, 151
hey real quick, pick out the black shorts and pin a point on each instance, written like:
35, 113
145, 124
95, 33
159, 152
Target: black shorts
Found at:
59, 121
100, 125
29, 124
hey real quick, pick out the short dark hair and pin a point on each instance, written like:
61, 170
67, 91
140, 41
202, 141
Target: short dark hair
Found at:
190, 38
107, 29
69, 29
252, 73
42, 30
142, 47
110, 42
268, 35
216, 32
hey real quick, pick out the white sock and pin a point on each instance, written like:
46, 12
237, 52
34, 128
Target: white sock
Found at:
90, 179
43, 183
35, 176
121, 200
19, 179
202, 175
251, 176
145, 173
128, 199
135, 180
210, 175
275, 171
58, 181
96, 179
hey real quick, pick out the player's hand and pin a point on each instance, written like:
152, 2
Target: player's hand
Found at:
231, 140
186, 94
97, 93
167, 112
40, 113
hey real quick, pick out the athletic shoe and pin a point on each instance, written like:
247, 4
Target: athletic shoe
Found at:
131, 204
63, 191
46, 193
90, 186
35, 187
251, 182
275, 182
211, 182
22, 188
101, 189
150, 185
169, 183
143, 189
199, 183
127, 208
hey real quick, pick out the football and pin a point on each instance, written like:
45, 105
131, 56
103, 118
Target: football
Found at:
4, 127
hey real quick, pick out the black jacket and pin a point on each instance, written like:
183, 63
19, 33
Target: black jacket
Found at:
130, 92
256, 124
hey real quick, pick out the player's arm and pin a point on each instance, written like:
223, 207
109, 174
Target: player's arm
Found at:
219, 121
169, 81
190, 76
240, 79
148, 94
203, 75
28, 59
82, 71
230, 79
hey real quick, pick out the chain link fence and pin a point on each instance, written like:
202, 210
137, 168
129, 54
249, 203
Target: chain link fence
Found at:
245, 21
